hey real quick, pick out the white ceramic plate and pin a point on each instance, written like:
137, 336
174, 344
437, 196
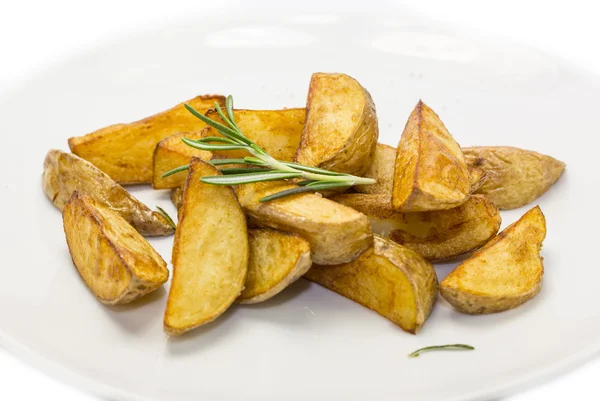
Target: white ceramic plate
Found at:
307, 343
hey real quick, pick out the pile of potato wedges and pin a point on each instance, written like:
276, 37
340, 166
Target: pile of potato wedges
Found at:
373, 244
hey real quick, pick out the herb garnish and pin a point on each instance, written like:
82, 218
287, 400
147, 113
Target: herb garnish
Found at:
441, 347
167, 217
262, 167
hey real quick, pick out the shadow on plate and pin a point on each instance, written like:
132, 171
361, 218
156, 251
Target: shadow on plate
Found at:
285, 296
138, 316
204, 337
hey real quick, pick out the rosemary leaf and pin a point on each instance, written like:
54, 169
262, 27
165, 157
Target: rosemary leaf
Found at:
237, 179
310, 169
167, 217
255, 160
208, 146
229, 108
306, 182
230, 133
241, 170
320, 186
459, 347
220, 162
221, 114
176, 170
216, 139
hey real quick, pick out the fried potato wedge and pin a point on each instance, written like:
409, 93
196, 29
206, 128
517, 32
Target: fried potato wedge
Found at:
277, 259
65, 173
514, 177
210, 253
276, 131
435, 235
503, 274
382, 170
389, 279
336, 233
116, 263
341, 127
171, 153
430, 171
124, 151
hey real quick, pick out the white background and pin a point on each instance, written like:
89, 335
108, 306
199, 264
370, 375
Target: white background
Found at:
38, 33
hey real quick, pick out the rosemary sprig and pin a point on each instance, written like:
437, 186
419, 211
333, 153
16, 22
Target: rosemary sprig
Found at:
167, 217
464, 347
260, 166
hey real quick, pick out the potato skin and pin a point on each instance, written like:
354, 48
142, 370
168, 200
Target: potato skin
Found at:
115, 262
210, 253
430, 171
177, 197
276, 131
435, 235
341, 129
388, 279
514, 177
502, 275
124, 151
171, 153
277, 259
66, 172
337, 234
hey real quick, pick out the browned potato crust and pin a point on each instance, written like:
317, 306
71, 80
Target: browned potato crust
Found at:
171, 153
477, 177
277, 259
337, 234
116, 263
430, 171
65, 173
503, 274
514, 177
435, 235
382, 170
276, 131
210, 253
341, 127
388, 279
124, 151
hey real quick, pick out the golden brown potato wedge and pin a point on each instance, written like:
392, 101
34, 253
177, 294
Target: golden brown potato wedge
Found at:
382, 170
65, 173
514, 177
276, 131
435, 235
210, 253
124, 151
389, 279
503, 274
430, 171
116, 263
277, 259
337, 234
171, 153
341, 127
